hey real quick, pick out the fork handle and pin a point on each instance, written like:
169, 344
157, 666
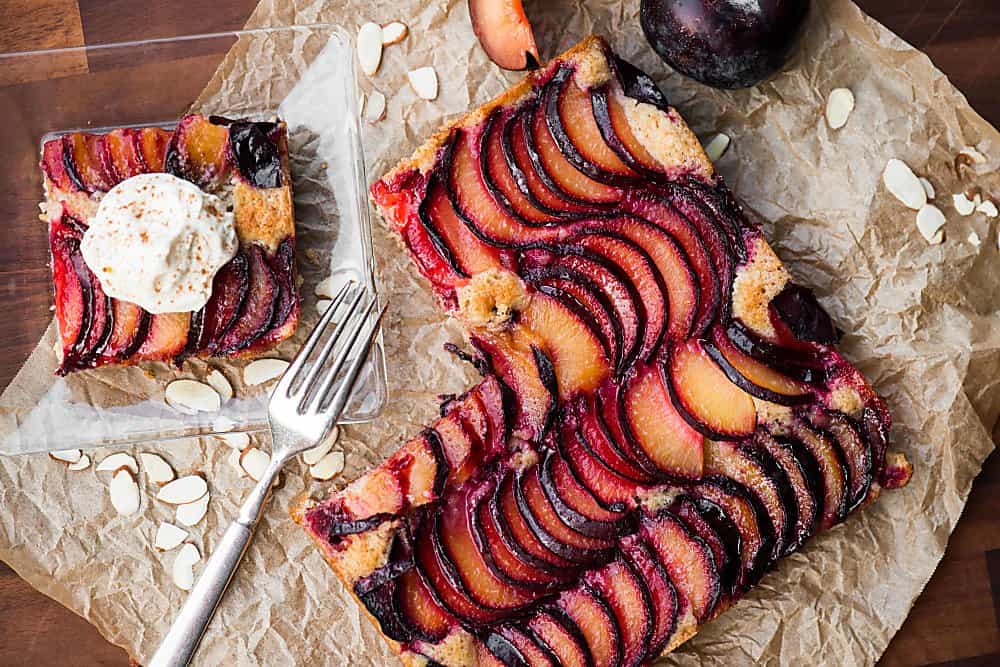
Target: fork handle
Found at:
178, 646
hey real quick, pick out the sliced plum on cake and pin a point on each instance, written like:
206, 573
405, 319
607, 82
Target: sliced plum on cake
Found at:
662, 416
254, 300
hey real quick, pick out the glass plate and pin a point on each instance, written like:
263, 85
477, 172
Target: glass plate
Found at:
305, 75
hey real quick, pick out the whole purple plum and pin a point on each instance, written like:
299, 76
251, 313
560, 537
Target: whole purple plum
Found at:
724, 43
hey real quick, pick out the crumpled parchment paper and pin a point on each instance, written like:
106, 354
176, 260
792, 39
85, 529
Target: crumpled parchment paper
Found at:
922, 324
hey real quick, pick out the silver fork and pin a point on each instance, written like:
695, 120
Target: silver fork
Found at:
300, 414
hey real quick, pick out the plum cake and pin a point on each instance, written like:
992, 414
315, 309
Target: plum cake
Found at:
250, 298
662, 413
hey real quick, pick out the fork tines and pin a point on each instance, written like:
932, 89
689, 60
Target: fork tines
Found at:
352, 339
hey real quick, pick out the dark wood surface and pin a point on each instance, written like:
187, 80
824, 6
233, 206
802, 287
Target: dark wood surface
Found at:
954, 622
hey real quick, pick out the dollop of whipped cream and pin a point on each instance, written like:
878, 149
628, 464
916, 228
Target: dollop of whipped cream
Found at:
158, 241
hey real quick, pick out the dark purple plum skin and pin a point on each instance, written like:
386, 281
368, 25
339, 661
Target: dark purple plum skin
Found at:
724, 43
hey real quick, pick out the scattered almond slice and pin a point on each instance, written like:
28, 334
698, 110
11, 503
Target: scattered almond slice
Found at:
193, 395
314, 455
974, 238
963, 205
234, 460
839, 106
988, 208
972, 154
394, 33
254, 462
375, 107
183, 568
902, 183
219, 383
223, 424
322, 305
928, 188
115, 461
66, 455
329, 286
328, 467
717, 146
183, 490
124, 492
189, 514
424, 81
264, 370
370, 47
158, 471
82, 464
930, 220
238, 441
169, 536
967, 157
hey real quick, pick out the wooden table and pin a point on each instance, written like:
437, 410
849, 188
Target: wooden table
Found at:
955, 621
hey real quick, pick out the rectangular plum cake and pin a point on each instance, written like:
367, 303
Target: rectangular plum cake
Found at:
662, 413
254, 301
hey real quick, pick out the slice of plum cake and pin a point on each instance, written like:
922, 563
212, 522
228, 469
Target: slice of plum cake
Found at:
254, 302
662, 413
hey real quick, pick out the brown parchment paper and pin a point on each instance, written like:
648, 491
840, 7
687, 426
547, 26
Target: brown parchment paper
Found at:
923, 325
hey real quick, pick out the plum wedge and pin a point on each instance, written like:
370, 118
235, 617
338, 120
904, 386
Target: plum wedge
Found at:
254, 303
662, 414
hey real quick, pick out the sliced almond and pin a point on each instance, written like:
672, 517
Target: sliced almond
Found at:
223, 424
183, 490
988, 208
375, 107
66, 455
264, 370
314, 455
158, 471
930, 220
394, 33
370, 47
902, 183
193, 395
328, 467
124, 492
234, 460
82, 464
183, 567
717, 146
928, 187
963, 205
255, 462
169, 536
974, 238
967, 157
329, 286
189, 514
973, 154
839, 106
238, 441
219, 383
424, 81
322, 305
115, 461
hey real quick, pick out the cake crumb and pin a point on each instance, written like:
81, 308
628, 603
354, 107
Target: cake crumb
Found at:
491, 299
757, 282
